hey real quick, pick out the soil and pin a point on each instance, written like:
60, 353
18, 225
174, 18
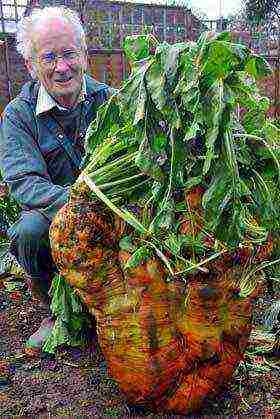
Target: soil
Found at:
75, 382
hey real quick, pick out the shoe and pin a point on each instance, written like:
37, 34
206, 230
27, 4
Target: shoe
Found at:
34, 344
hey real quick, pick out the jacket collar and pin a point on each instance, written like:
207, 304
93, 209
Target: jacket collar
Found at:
45, 102
30, 90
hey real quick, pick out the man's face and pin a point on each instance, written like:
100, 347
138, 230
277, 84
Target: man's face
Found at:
62, 76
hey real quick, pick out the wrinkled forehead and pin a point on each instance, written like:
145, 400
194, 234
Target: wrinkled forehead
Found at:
54, 33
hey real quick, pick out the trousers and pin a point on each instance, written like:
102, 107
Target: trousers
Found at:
29, 238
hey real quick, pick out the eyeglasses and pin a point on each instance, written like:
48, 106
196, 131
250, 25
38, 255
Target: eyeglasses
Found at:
50, 59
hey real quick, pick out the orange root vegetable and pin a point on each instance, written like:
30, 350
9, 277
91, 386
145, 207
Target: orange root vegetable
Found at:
169, 345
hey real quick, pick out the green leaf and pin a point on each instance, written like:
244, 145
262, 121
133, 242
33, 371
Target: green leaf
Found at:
271, 134
137, 47
107, 121
141, 255
191, 131
257, 67
213, 108
253, 120
230, 158
126, 244
178, 243
155, 82
193, 181
171, 61
59, 336
159, 142
165, 216
234, 233
146, 161
71, 318
133, 96
216, 197
221, 58
223, 36
173, 242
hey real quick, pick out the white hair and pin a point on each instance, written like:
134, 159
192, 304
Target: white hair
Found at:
27, 24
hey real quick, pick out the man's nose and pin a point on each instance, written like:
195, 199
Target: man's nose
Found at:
61, 64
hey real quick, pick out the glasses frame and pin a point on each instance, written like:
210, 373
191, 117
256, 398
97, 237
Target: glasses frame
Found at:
52, 63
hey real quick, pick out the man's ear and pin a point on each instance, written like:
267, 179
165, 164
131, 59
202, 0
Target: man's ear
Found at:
31, 68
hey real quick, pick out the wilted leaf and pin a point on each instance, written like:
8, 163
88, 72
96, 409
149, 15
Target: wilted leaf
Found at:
258, 67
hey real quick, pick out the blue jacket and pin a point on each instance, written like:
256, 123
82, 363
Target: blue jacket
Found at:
37, 160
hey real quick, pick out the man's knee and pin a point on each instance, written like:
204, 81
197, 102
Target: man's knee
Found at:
31, 226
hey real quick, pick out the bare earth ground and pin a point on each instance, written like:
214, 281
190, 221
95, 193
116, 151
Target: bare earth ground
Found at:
76, 383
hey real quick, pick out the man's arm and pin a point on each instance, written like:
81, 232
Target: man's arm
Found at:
24, 169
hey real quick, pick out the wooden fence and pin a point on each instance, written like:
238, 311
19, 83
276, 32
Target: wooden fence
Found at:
108, 66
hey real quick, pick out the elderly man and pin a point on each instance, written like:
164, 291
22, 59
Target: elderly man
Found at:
41, 144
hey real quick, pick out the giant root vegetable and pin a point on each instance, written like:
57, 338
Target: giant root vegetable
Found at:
169, 345
173, 218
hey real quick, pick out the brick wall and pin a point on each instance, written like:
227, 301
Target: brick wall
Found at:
13, 73
270, 86
18, 72
4, 94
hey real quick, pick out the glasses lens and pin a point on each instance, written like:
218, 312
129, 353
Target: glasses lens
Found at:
51, 58
70, 55
48, 58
